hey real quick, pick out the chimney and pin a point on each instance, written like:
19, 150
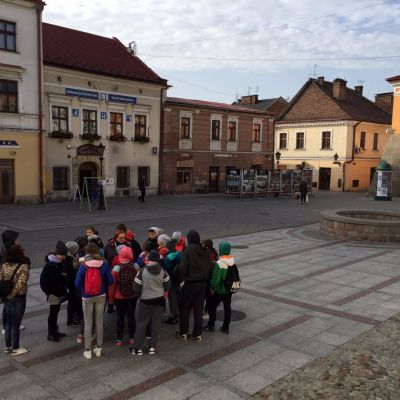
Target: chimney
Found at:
249, 100
321, 80
339, 89
359, 89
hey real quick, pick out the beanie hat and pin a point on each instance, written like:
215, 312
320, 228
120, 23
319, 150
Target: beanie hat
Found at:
72, 247
177, 236
82, 241
224, 249
171, 245
9, 237
193, 237
61, 249
125, 255
154, 256
163, 239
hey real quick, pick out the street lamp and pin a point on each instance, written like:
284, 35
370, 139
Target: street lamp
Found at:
335, 157
101, 205
278, 157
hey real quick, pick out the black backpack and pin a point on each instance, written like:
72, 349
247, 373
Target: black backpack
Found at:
232, 279
7, 285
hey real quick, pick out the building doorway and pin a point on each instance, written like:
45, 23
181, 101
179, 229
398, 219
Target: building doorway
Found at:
184, 180
213, 179
87, 170
7, 187
324, 178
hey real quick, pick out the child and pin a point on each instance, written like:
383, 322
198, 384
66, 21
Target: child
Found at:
209, 245
154, 232
71, 264
180, 241
220, 292
150, 285
162, 241
93, 236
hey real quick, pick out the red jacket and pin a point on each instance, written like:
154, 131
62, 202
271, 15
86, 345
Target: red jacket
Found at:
113, 290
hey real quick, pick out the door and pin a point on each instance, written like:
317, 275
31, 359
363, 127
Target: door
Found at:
213, 179
184, 180
371, 174
88, 170
7, 190
324, 178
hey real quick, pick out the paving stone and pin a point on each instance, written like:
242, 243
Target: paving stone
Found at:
248, 382
216, 392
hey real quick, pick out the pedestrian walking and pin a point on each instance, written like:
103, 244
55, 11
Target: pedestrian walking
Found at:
15, 270
303, 191
151, 284
93, 278
142, 188
195, 267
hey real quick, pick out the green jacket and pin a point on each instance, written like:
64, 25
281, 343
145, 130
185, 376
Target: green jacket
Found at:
219, 274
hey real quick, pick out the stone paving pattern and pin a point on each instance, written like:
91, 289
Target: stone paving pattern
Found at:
304, 295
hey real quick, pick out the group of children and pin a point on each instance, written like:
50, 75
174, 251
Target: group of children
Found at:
137, 282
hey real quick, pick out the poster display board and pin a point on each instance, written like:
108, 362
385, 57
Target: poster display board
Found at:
307, 176
248, 181
274, 181
262, 182
286, 181
233, 182
296, 180
383, 185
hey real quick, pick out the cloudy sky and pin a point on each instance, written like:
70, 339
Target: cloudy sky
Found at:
217, 50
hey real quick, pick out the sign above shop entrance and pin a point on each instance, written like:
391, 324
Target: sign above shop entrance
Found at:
185, 161
87, 150
9, 144
86, 94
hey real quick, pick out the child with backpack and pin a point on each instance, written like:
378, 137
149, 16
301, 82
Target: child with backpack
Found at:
224, 282
122, 294
151, 283
209, 245
93, 278
53, 284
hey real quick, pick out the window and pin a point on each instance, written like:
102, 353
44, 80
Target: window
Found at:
60, 178
144, 171
232, 126
339, 183
216, 129
116, 124
257, 132
140, 126
326, 140
89, 118
59, 117
376, 137
356, 183
8, 96
185, 127
183, 176
283, 140
7, 35
362, 140
122, 177
300, 140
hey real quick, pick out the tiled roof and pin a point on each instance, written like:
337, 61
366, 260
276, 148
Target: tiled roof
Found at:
83, 51
354, 107
212, 104
393, 78
260, 105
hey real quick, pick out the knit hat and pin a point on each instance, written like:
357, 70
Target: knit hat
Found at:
163, 239
224, 249
154, 256
171, 245
72, 247
125, 255
82, 241
193, 237
61, 249
177, 236
9, 237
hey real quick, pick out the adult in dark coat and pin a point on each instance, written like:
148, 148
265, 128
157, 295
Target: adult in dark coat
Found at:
195, 267
142, 188
303, 191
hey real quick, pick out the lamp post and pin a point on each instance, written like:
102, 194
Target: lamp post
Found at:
335, 157
278, 157
101, 205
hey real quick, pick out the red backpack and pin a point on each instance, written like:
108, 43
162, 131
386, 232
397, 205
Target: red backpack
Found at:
92, 281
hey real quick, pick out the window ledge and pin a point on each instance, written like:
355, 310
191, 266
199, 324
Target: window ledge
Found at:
326, 149
283, 148
302, 149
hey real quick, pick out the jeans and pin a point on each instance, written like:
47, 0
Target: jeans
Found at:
192, 296
74, 307
52, 320
145, 314
212, 311
125, 308
93, 307
14, 310
173, 299
303, 197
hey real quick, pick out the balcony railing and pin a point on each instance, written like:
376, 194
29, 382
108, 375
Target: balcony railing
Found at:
91, 137
141, 139
119, 138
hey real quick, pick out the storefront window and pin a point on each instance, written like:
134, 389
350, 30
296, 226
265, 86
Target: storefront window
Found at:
8, 96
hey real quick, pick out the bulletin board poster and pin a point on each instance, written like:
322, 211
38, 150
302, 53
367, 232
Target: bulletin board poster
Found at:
296, 180
384, 184
233, 181
262, 181
274, 181
286, 181
248, 181
307, 176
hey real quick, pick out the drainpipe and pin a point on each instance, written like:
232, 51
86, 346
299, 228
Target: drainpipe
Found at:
352, 154
161, 147
40, 99
273, 143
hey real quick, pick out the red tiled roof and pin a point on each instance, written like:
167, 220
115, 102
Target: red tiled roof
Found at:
84, 51
212, 104
393, 78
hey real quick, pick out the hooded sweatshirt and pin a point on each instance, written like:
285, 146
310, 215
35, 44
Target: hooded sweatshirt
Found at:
55, 276
106, 277
219, 274
196, 264
150, 284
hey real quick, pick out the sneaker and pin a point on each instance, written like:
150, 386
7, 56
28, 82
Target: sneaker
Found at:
196, 338
97, 351
148, 337
80, 338
131, 342
206, 316
209, 328
3, 331
53, 338
8, 350
171, 320
87, 354
60, 334
22, 327
224, 330
19, 351
181, 337
110, 308
137, 352
118, 343
73, 323
152, 350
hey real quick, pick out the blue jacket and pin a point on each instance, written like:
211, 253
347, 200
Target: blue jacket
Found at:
106, 277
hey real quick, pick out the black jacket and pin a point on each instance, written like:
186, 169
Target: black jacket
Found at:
303, 187
110, 251
55, 278
196, 264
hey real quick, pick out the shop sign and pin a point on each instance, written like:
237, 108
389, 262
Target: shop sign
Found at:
85, 94
185, 161
103, 115
87, 150
75, 112
118, 98
9, 144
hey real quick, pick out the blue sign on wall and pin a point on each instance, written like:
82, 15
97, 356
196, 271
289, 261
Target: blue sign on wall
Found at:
8, 143
75, 112
119, 98
128, 118
103, 115
86, 94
